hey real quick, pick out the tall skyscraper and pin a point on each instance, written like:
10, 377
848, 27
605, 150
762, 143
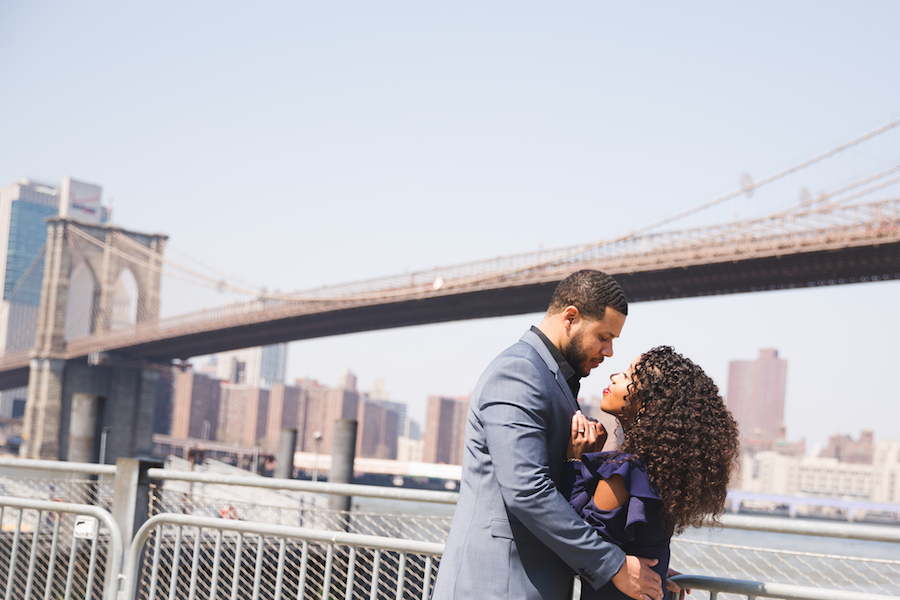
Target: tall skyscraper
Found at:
24, 207
756, 391
380, 425
445, 428
284, 406
318, 407
311, 415
260, 366
243, 414
340, 403
195, 408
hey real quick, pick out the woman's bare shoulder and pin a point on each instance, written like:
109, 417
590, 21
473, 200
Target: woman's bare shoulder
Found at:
611, 493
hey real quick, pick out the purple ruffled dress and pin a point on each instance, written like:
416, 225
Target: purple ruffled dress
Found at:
637, 526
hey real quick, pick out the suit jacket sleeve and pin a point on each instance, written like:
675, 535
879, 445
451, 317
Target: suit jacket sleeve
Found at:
516, 407
573, 486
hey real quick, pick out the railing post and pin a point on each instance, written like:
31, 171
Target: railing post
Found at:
343, 453
131, 499
284, 460
83, 427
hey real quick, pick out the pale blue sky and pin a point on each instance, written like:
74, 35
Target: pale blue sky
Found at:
302, 144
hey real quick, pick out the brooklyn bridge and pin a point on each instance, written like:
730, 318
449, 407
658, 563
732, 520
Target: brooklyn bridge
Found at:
849, 234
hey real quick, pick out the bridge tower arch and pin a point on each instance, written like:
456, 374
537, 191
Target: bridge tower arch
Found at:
70, 401
84, 292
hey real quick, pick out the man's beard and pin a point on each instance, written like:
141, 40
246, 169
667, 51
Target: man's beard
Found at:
574, 353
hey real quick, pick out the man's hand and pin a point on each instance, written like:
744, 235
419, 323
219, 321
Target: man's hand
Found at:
637, 580
675, 590
586, 436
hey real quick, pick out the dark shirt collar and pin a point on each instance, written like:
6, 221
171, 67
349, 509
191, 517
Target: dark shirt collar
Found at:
572, 378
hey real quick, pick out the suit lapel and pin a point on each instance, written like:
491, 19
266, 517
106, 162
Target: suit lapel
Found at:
537, 343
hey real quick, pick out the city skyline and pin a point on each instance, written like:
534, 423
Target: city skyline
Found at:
443, 429
351, 142
746, 379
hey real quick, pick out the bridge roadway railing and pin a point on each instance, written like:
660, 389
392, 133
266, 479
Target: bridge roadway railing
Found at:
66, 528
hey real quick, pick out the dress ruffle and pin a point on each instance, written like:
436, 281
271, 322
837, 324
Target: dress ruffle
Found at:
642, 507
637, 526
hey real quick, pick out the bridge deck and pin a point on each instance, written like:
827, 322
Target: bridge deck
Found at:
685, 264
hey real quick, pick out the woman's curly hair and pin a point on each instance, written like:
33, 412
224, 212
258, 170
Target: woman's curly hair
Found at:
683, 434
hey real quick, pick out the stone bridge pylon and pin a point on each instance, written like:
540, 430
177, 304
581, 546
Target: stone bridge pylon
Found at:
70, 402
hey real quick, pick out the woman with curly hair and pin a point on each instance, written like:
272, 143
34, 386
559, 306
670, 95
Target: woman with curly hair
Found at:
680, 446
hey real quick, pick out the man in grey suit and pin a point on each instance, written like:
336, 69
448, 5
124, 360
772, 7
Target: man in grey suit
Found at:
513, 534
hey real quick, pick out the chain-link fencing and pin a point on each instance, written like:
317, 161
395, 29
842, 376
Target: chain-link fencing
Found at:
75, 489
57, 550
726, 560
828, 571
766, 551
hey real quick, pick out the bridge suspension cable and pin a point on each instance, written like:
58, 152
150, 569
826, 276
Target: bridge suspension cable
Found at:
572, 252
475, 272
822, 198
766, 181
152, 261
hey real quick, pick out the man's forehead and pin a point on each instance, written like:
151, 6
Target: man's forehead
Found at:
611, 322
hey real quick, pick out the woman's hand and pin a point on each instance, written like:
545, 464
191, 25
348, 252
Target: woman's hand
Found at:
674, 589
586, 436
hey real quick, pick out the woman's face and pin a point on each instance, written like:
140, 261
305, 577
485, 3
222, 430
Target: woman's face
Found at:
615, 397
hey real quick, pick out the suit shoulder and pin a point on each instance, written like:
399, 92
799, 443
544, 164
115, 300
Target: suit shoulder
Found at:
519, 366
520, 353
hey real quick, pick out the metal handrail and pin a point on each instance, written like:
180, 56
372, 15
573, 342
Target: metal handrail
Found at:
338, 489
116, 545
856, 531
58, 466
763, 589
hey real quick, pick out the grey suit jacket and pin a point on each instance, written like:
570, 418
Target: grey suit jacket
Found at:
513, 533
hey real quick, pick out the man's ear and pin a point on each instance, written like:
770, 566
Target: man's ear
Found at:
571, 315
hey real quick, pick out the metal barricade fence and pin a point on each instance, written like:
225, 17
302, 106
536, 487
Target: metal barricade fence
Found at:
290, 505
200, 557
853, 575
58, 550
792, 572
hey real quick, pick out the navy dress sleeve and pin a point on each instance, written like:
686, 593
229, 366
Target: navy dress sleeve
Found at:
637, 526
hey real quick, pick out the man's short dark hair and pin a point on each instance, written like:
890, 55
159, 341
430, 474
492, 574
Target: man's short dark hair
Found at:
590, 292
